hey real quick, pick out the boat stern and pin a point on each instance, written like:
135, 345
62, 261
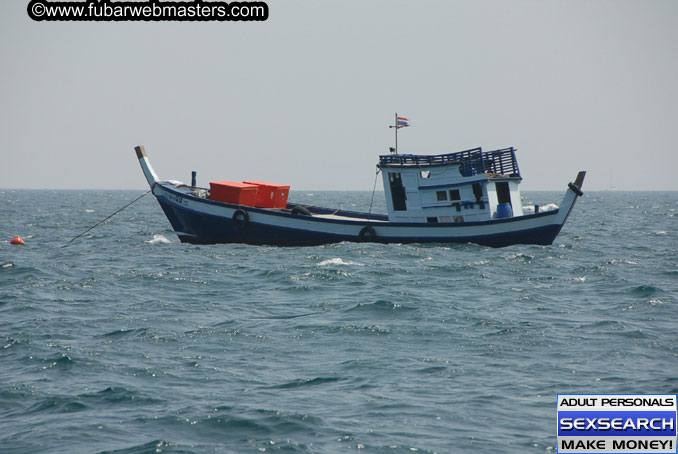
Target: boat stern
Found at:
571, 195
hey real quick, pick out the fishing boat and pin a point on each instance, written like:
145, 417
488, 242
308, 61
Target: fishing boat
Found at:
471, 196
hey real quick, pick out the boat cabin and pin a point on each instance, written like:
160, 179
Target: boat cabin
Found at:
467, 186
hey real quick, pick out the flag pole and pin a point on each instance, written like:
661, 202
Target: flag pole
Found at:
396, 132
397, 126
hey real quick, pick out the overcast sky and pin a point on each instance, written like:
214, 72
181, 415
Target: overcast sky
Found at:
305, 98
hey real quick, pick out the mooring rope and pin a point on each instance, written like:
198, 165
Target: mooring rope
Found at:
106, 219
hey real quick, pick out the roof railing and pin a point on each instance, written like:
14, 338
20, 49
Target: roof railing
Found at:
471, 162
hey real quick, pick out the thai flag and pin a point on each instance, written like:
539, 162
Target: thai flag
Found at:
402, 122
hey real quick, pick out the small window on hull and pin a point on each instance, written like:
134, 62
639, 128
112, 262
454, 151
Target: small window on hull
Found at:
441, 195
454, 194
432, 220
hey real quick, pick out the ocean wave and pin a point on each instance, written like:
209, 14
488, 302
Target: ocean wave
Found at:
304, 382
151, 447
339, 262
381, 306
158, 239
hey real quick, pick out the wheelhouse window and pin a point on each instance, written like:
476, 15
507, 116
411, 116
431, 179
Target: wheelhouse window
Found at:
454, 194
425, 174
441, 195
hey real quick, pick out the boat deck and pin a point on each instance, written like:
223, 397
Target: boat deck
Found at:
316, 212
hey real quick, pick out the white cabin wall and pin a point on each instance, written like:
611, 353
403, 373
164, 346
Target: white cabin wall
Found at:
442, 175
492, 198
446, 210
514, 191
422, 202
411, 184
387, 192
413, 197
516, 201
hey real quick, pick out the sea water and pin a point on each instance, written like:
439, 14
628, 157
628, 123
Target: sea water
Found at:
127, 341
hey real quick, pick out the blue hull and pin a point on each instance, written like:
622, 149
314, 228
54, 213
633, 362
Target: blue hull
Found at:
202, 228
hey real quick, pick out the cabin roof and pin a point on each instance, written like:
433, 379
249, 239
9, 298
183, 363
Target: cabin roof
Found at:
471, 162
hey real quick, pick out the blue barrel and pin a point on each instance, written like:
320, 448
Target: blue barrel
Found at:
504, 210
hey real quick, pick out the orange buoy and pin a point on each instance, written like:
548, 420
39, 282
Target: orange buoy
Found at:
17, 240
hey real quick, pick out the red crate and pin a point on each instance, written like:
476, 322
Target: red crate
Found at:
233, 192
271, 195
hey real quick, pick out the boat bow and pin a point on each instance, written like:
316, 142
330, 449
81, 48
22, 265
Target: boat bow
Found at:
149, 173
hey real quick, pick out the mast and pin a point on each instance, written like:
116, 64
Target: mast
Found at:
395, 125
396, 132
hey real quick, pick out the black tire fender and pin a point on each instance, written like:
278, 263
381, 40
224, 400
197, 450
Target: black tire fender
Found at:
300, 210
240, 219
575, 189
367, 234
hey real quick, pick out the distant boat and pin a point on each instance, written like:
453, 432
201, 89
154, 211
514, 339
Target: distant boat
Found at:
470, 196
